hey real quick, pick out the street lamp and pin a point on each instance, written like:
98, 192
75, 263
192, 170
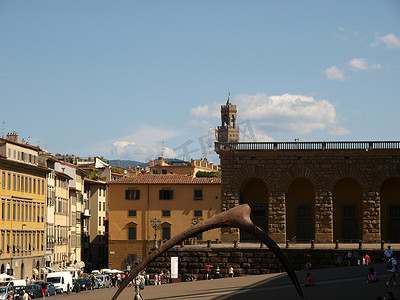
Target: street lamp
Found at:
155, 223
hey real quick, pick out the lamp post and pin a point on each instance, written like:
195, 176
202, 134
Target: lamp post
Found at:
155, 223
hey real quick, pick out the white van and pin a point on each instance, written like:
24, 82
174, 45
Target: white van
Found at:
19, 282
61, 280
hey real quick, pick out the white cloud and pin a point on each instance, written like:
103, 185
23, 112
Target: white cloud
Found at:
298, 114
206, 111
361, 64
334, 73
390, 40
143, 144
338, 131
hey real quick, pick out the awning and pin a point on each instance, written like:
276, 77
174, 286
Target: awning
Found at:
79, 265
35, 271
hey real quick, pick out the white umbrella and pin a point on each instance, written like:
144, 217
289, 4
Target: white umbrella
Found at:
114, 271
5, 277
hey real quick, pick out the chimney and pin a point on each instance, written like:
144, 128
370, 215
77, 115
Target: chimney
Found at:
13, 136
160, 161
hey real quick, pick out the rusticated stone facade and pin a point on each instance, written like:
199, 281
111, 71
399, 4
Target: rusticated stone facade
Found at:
339, 173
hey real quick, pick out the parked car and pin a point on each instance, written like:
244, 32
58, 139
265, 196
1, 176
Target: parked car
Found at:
104, 281
85, 283
34, 291
76, 287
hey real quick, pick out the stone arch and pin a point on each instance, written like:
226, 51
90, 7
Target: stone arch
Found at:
388, 172
299, 172
390, 209
300, 210
347, 171
347, 210
250, 172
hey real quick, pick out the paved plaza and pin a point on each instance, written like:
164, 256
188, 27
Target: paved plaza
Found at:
331, 284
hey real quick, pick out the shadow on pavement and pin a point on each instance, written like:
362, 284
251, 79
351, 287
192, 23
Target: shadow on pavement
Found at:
336, 283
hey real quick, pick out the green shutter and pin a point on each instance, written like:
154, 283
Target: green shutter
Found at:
132, 233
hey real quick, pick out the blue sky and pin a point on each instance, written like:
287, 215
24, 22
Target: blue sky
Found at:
126, 79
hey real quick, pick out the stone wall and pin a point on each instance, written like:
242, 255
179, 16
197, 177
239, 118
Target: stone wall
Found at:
250, 261
278, 169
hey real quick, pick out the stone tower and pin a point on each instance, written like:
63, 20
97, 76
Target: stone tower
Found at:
228, 132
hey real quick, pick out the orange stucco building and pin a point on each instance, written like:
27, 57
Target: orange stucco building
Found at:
177, 200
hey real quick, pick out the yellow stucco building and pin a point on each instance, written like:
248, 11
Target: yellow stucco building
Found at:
22, 208
177, 200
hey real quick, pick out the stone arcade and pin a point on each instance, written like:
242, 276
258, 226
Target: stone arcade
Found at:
322, 191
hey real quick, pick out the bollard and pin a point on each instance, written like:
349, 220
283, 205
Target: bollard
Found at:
382, 245
208, 243
235, 244
287, 243
312, 244
337, 244
360, 245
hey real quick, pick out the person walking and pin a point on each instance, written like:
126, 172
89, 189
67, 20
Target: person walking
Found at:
230, 272
392, 269
348, 257
367, 259
388, 253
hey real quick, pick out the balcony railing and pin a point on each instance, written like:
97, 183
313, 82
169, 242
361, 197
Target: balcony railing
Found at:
307, 146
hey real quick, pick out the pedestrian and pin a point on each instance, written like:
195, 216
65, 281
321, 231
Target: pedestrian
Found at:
356, 257
156, 279
207, 273
230, 272
348, 257
147, 279
25, 295
308, 280
371, 277
44, 288
392, 269
339, 261
389, 296
137, 283
367, 259
388, 253
308, 266
217, 273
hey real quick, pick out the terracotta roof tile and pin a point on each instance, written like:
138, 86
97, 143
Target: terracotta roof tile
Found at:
167, 179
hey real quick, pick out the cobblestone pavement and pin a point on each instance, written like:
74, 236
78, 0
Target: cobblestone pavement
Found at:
338, 283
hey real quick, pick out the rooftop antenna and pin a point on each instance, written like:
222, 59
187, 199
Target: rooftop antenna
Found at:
162, 149
3, 128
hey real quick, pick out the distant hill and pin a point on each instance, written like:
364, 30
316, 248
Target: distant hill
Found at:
127, 163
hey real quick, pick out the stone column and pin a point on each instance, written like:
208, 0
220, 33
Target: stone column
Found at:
371, 221
230, 199
277, 217
324, 217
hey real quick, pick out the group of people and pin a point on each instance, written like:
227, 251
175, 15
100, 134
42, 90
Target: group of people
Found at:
163, 277
353, 258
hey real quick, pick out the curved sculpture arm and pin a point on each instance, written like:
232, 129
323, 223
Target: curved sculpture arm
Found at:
238, 217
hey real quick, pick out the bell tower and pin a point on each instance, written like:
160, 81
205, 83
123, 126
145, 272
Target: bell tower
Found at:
228, 132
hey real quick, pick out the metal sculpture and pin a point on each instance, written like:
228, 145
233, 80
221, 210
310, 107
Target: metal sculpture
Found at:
238, 217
